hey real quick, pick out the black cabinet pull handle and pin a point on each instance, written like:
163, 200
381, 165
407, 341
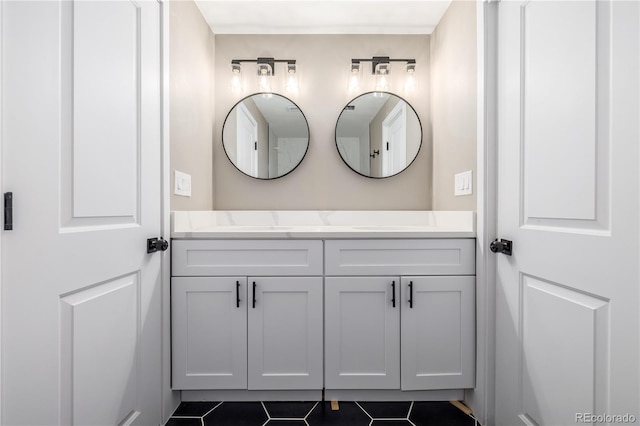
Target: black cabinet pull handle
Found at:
254, 295
411, 294
237, 294
393, 294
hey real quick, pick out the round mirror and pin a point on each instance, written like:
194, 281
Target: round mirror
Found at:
378, 134
265, 135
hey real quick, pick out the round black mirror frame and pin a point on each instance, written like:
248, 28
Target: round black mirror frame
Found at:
335, 134
273, 94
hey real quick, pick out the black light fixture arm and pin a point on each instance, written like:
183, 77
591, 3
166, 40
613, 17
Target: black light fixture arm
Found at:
381, 60
265, 60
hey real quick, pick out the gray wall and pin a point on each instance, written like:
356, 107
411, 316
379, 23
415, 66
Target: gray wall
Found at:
322, 181
191, 55
453, 103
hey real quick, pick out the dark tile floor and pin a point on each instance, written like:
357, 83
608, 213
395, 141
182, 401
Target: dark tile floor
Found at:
319, 414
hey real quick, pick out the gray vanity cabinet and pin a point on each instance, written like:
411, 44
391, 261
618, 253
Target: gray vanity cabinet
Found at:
247, 315
209, 332
362, 333
400, 314
393, 314
438, 332
285, 333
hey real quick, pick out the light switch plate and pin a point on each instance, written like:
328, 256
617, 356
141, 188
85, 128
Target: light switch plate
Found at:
463, 183
182, 184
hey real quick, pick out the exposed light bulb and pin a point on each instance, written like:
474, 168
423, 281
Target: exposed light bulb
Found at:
264, 83
236, 84
354, 78
382, 83
236, 80
292, 84
354, 83
409, 82
381, 72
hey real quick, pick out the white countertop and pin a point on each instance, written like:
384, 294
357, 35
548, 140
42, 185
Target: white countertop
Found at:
307, 224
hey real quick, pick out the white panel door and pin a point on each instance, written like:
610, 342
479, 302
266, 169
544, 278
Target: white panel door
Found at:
568, 130
209, 332
81, 298
247, 141
362, 333
438, 332
394, 140
285, 333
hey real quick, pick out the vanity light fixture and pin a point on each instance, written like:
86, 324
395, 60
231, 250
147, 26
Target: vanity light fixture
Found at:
354, 77
266, 70
380, 69
409, 81
236, 78
292, 78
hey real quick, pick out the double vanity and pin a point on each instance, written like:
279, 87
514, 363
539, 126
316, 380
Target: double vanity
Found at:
301, 305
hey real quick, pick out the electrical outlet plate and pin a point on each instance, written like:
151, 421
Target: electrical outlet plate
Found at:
182, 184
463, 183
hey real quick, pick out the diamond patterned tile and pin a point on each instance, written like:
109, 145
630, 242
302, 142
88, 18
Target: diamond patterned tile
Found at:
439, 414
387, 410
289, 409
193, 421
237, 414
196, 408
391, 423
348, 415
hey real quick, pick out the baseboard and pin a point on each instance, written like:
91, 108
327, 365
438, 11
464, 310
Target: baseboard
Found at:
251, 395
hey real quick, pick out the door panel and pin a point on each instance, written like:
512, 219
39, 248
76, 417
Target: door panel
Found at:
247, 151
561, 67
105, 145
285, 333
551, 313
81, 298
438, 330
84, 335
209, 332
394, 143
362, 336
566, 310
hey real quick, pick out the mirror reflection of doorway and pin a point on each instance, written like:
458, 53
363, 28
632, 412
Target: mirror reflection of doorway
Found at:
247, 140
394, 139
378, 135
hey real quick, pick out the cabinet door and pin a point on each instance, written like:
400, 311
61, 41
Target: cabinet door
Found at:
362, 333
438, 332
285, 333
209, 332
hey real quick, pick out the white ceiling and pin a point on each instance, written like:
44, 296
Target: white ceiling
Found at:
322, 16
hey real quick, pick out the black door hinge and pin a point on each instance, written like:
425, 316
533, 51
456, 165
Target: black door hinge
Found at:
8, 211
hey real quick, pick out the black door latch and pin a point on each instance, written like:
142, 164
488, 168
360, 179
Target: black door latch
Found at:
8, 211
501, 246
155, 244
